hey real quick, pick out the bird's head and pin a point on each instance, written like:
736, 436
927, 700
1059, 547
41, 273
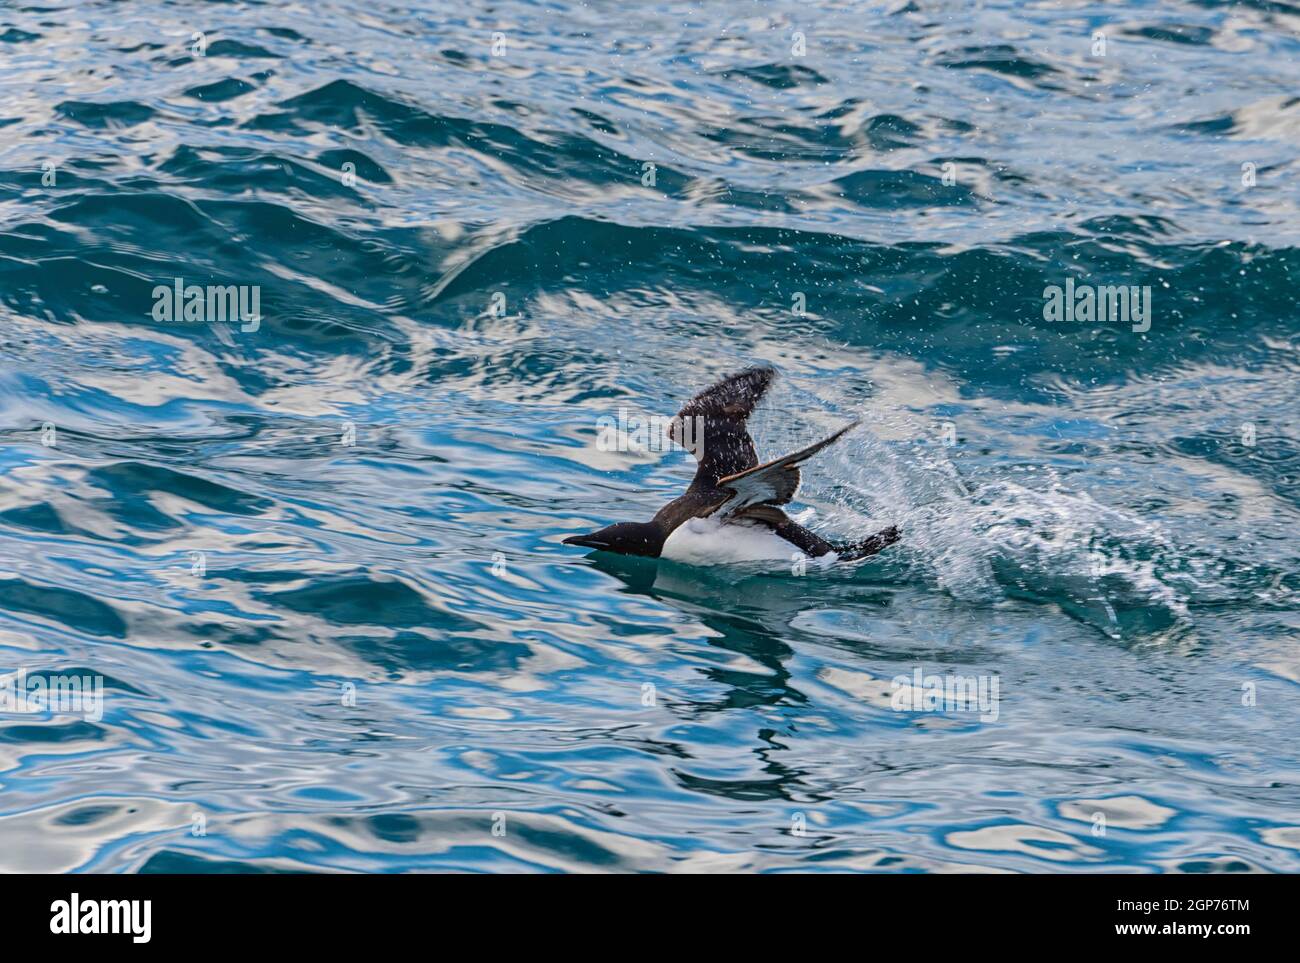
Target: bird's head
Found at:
625, 538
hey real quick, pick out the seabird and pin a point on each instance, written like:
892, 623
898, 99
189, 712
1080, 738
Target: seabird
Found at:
730, 512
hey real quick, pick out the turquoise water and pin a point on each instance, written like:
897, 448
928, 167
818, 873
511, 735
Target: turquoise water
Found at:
317, 568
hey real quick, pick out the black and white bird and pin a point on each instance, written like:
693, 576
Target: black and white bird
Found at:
731, 511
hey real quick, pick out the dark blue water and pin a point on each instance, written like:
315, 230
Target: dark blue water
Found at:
316, 566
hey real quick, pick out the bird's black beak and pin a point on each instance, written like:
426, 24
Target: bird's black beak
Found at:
586, 541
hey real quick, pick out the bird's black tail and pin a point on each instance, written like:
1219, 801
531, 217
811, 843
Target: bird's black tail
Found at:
852, 551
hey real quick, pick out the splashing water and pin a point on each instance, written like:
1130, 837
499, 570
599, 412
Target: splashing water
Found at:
318, 566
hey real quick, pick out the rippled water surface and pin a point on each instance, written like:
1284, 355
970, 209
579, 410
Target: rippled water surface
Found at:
329, 656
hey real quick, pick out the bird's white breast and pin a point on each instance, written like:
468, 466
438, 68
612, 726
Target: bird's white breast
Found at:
708, 541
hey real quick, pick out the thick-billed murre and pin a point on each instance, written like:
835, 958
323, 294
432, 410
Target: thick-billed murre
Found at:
730, 511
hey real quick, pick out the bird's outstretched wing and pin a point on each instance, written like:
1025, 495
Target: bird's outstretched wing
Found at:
711, 426
774, 483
